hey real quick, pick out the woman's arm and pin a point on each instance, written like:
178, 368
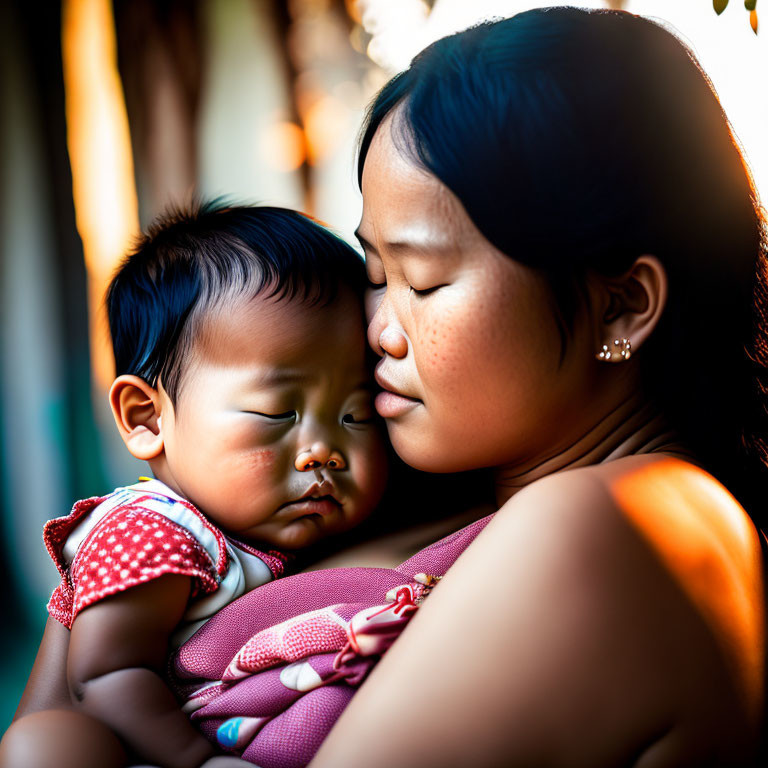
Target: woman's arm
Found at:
117, 653
556, 639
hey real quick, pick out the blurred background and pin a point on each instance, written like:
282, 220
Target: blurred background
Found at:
114, 109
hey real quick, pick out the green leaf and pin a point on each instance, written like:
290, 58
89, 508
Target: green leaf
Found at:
750, 4
719, 6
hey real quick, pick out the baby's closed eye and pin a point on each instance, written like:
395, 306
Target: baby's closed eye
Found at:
360, 412
283, 416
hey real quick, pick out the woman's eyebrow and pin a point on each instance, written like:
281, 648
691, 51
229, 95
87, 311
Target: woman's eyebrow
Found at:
418, 246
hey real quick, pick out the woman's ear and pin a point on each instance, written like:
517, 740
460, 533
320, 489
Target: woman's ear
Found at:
136, 408
628, 307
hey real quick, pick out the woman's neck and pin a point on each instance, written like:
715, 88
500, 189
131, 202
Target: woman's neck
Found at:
633, 427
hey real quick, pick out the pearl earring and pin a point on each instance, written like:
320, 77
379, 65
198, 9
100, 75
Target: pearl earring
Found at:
622, 350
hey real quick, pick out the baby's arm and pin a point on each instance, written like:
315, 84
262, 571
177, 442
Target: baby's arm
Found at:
117, 654
47, 684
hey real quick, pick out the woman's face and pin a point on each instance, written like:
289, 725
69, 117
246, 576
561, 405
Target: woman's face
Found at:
470, 349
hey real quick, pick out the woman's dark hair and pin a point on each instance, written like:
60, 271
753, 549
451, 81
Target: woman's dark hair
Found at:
192, 261
578, 140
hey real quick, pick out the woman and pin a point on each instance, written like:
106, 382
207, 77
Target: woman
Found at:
568, 284
564, 248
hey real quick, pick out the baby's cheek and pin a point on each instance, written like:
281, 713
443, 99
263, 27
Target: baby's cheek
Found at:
263, 460
370, 474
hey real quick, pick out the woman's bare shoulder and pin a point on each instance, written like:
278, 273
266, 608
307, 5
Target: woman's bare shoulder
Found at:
663, 495
707, 543
572, 521
559, 616
685, 516
656, 519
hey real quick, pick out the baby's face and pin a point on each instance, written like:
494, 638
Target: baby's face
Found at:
273, 435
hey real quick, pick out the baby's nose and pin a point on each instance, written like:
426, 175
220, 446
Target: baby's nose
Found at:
319, 455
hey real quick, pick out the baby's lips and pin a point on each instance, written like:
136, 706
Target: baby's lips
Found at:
322, 506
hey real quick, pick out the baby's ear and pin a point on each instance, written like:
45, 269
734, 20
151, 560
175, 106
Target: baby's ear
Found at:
136, 408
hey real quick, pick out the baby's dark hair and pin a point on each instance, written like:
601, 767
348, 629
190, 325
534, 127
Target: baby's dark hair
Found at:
191, 261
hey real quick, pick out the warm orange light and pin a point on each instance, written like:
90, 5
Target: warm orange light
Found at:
324, 120
283, 146
705, 540
98, 139
353, 10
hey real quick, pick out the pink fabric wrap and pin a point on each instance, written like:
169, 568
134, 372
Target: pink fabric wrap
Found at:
268, 676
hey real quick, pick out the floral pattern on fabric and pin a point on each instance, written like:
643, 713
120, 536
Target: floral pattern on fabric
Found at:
270, 674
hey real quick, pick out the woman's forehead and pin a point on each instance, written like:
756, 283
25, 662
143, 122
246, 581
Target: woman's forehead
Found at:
404, 203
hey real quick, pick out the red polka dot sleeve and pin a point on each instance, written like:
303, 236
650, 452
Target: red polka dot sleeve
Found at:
130, 546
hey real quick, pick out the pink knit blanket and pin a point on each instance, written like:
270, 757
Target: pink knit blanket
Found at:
268, 676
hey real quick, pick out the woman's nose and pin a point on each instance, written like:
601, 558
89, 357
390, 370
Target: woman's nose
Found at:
392, 341
385, 336
318, 456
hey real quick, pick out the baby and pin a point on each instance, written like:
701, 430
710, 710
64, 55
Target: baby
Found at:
238, 337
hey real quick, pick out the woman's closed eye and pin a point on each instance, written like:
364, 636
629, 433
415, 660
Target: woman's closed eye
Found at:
426, 291
375, 286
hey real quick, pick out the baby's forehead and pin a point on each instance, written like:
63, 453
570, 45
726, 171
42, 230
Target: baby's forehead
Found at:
282, 332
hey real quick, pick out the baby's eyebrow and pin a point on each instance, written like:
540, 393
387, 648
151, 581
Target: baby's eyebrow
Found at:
272, 377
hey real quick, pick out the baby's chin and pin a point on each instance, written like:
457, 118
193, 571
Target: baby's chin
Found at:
306, 530
299, 533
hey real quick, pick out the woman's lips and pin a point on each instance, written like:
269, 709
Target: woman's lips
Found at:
390, 405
